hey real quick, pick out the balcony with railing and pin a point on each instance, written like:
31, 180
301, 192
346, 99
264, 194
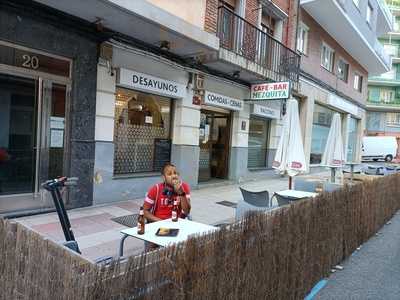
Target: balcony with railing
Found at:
256, 55
384, 103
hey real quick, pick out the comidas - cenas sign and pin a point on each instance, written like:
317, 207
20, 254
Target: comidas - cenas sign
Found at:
270, 91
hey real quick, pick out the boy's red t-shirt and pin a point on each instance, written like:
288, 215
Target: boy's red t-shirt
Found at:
159, 204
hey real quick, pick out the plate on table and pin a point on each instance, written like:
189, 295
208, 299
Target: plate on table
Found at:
162, 231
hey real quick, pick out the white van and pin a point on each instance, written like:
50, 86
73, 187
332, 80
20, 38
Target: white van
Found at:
379, 147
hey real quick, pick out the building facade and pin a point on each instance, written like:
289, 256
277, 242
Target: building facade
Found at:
118, 88
335, 67
383, 105
48, 90
202, 123
144, 83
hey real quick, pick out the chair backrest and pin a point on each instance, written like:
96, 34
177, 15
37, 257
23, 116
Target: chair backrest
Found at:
306, 185
330, 187
388, 171
370, 170
252, 201
281, 200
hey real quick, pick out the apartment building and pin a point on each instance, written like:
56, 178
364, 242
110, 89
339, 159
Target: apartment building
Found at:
338, 41
383, 105
110, 90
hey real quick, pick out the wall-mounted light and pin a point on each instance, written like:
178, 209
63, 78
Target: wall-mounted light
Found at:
165, 45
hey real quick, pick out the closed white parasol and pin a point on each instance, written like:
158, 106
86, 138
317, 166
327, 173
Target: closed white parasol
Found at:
333, 156
290, 156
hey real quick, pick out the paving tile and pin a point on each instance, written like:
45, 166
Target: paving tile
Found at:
115, 211
129, 205
98, 238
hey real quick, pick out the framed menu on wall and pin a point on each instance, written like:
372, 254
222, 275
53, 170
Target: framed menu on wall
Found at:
162, 153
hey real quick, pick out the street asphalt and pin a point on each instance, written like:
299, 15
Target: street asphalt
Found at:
371, 273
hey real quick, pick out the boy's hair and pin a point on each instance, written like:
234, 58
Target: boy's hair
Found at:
167, 165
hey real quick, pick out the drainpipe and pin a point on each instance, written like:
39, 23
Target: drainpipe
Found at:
297, 24
287, 27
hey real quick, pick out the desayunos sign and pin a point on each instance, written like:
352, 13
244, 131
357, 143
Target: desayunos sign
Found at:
151, 84
222, 101
269, 91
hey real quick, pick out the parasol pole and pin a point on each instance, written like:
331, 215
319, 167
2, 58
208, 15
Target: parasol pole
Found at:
333, 174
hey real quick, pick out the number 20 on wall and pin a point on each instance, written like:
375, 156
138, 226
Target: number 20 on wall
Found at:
31, 62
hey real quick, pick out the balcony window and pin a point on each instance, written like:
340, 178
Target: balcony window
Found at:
268, 24
369, 14
391, 75
387, 96
374, 94
393, 119
396, 24
327, 57
302, 38
357, 84
390, 49
343, 70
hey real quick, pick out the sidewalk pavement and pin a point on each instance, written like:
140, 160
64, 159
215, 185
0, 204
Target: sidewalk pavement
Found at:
97, 235
373, 272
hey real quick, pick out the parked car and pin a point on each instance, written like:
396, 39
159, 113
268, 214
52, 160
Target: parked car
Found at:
379, 147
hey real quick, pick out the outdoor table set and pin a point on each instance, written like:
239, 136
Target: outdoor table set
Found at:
186, 228
296, 195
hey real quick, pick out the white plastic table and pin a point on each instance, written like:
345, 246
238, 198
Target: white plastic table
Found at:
295, 195
186, 229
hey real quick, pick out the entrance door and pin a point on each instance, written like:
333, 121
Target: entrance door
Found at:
30, 151
214, 145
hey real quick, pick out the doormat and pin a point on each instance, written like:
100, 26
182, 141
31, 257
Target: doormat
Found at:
128, 220
227, 203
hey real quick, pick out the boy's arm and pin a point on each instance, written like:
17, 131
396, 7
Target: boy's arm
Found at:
149, 216
184, 197
148, 204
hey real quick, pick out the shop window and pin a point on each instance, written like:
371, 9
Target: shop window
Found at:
352, 140
327, 57
374, 121
142, 132
343, 70
322, 119
302, 38
258, 139
357, 84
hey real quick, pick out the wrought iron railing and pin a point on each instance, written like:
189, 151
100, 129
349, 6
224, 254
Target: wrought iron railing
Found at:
243, 38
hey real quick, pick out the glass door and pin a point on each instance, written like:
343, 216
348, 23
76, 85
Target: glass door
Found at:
258, 141
214, 145
18, 120
32, 122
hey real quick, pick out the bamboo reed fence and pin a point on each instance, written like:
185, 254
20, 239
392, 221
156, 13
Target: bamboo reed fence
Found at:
280, 254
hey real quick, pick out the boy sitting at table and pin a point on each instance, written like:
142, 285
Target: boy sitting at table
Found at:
160, 197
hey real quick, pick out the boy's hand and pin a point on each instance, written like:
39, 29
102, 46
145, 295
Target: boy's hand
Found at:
177, 186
